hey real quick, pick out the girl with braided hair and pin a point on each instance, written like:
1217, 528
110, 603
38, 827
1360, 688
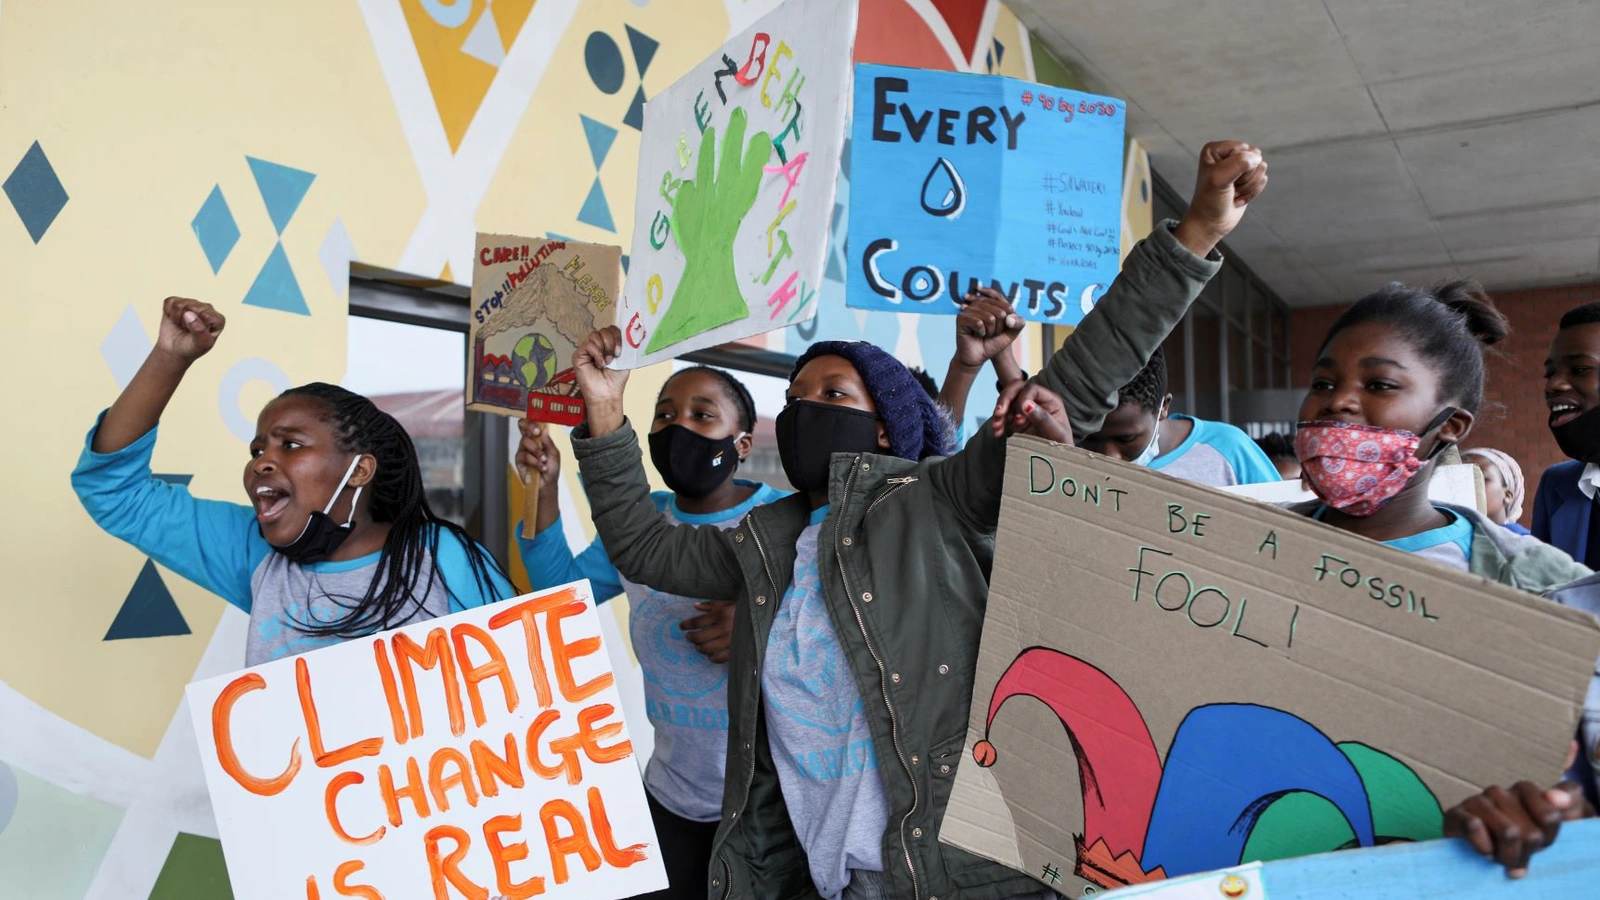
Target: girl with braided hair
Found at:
339, 540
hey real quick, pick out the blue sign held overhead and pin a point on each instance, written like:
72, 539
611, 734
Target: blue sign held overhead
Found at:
964, 181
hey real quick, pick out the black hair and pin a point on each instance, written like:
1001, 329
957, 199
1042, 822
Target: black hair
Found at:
926, 380
1587, 314
1449, 325
1276, 446
737, 392
1148, 388
398, 499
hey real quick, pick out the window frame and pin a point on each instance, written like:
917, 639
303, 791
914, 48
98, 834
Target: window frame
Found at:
485, 487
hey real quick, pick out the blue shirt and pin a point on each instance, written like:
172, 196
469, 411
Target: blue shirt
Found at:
817, 730
1216, 454
219, 546
1449, 544
686, 694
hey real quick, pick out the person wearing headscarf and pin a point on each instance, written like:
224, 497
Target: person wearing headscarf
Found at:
1503, 486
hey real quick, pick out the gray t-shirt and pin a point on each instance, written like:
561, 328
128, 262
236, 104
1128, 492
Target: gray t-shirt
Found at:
286, 595
817, 730
686, 694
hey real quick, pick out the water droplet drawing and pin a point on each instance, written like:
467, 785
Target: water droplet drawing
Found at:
943, 192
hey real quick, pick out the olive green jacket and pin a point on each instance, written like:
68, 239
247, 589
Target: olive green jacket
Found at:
904, 554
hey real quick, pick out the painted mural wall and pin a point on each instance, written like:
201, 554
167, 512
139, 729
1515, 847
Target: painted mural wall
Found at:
247, 154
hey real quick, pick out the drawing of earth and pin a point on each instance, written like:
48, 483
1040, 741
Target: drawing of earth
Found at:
535, 360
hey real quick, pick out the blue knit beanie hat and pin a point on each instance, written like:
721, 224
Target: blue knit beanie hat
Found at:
917, 428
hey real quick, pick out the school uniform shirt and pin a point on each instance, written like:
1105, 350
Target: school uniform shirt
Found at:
686, 694
1216, 454
817, 730
219, 546
1563, 510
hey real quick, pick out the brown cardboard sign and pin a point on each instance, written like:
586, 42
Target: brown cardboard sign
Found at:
534, 300
1173, 679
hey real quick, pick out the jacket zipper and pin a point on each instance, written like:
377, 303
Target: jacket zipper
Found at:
883, 675
896, 484
750, 771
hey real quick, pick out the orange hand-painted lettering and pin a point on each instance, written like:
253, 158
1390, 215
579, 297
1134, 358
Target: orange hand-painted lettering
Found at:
228, 758
506, 854
492, 767
391, 693
588, 738
330, 800
343, 887
474, 675
447, 868
435, 651
413, 789
563, 653
561, 846
569, 758
622, 857
527, 613
325, 758
440, 783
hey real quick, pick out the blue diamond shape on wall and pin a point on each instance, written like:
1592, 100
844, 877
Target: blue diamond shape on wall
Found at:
276, 287
148, 610
282, 189
215, 228
35, 192
595, 210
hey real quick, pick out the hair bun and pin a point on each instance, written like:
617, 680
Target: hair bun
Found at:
1467, 297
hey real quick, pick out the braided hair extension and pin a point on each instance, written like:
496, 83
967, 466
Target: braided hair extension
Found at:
398, 498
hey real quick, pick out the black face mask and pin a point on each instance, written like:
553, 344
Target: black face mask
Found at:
809, 433
321, 536
1580, 438
692, 464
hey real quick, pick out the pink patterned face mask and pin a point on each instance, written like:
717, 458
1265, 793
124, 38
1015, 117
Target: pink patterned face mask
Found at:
1356, 469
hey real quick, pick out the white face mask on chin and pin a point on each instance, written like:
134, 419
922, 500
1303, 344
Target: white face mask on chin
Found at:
1152, 450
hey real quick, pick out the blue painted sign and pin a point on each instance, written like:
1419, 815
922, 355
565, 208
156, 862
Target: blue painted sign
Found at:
961, 181
1432, 869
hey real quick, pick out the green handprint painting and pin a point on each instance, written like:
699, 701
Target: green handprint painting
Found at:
705, 218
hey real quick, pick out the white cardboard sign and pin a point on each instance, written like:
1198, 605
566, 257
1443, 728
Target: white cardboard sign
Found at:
481, 754
737, 168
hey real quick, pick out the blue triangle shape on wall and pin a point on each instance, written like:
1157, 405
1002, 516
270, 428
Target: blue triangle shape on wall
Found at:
595, 211
148, 610
644, 48
624, 263
635, 117
282, 189
276, 287
600, 137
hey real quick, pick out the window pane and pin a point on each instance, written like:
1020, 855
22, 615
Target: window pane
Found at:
418, 375
1238, 359
1261, 310
1238, 299
1260, 367
1207, 394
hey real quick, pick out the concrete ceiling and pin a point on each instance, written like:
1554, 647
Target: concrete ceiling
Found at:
1409, 140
